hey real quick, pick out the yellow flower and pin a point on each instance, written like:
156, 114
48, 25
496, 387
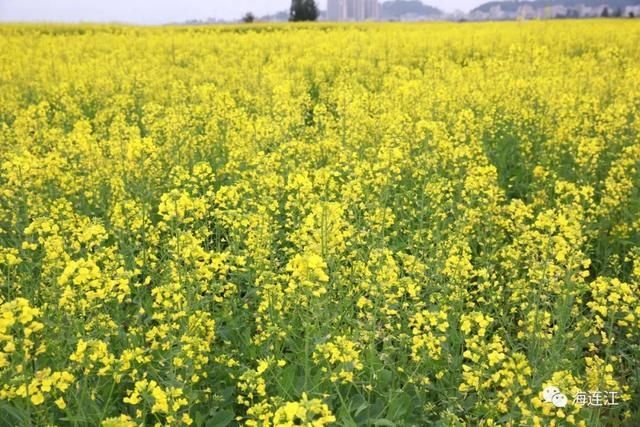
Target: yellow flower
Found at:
37, 398
305, 412
60, 403
121, 421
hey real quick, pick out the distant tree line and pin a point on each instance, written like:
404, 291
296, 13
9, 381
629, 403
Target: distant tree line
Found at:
301, 10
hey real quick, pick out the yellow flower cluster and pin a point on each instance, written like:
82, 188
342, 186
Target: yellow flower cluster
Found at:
428, 334
18, 323
43, 383
161, 401
308, 275
121, 421
342, 357
309, 413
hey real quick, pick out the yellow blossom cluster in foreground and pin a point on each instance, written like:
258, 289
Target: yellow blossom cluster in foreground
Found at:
387, 224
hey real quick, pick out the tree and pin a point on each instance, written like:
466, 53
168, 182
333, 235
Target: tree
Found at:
248, 18
605, 12
303, 10
617, 12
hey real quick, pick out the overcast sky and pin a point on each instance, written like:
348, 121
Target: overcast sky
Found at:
160, 11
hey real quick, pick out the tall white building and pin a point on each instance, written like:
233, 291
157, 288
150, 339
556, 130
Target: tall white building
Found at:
336, 10
371, 10
353, 10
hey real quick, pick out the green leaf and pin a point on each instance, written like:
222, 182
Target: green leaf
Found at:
399, 406
357, 405
15, 415
383, 422
221, 419
385, 377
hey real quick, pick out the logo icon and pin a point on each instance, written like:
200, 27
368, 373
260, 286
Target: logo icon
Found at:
552, 394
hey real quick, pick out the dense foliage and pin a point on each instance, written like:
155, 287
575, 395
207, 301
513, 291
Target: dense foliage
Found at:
303, 10
313, 225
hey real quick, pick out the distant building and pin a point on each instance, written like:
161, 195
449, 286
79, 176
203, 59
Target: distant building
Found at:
595, 11
635, 10
372, 9
558, 11
336, 10
353, 10
527, 12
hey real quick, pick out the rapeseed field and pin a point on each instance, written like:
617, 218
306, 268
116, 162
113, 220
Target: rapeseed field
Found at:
281, 225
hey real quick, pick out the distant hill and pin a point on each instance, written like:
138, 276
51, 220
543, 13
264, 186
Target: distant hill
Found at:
281, 16
398, 8
512, 6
